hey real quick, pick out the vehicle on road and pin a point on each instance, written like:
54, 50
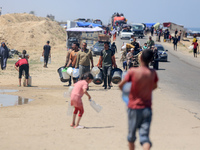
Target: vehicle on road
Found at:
126, 34
138, 30
99, 46
162, 53
98, 21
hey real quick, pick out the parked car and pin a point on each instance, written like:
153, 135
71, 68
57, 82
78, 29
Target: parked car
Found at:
126, 33
162, 53
97, 48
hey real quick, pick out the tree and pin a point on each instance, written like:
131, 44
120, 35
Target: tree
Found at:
32, 12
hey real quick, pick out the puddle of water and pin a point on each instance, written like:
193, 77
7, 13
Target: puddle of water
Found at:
4, 91
12, 100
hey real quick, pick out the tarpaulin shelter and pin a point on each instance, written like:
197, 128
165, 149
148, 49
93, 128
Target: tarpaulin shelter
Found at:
87, 24
148, 25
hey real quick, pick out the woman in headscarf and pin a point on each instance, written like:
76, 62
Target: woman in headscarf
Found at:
4, 54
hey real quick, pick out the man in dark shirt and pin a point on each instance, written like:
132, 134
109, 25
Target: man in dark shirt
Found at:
107, 59
46, 53
137, 46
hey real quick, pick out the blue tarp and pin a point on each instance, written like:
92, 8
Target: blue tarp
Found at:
87, 24
148, 25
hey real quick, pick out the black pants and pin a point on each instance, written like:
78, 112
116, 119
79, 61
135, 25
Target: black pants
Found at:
175, 46
107, 75
46, 58
24, 67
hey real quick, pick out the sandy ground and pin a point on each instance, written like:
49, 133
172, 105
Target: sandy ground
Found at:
44, 125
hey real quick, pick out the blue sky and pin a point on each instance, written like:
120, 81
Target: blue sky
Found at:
182, 12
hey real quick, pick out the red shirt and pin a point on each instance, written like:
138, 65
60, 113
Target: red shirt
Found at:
195, 45
143, 80
20, 62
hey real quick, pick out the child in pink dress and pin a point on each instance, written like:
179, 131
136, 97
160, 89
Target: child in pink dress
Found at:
80, 88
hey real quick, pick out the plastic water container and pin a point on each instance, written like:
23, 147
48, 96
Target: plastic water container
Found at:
75, 73
95, 106
125, 92
69, 91
41, 59
70, 109
70, 71
49, 60
191, 47
95, 70
29, 81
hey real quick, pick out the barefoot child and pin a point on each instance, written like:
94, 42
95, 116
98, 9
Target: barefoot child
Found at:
23, 65
80, 88
144, 81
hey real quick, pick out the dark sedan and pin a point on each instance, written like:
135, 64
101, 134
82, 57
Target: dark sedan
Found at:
97, 48
162, 53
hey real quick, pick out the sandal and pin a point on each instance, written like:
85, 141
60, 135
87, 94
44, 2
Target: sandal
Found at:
79, 127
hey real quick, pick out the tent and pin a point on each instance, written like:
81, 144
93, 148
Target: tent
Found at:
156, 26
87, 24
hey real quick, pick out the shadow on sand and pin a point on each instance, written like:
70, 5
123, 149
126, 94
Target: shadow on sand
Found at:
99, 127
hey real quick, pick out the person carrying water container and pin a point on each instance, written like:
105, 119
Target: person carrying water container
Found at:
107, 59
22, 65
73, 58
144, 81
80, 88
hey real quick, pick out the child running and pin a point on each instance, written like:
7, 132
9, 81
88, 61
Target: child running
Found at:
23, 66
80, 88
144, 81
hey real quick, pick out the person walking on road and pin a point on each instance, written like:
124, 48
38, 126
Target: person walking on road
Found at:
179, 36
73, 58
46, 53
4, 54
152, 30
83, 60
196, 45
150, 42
175, 41
107, 59
114, 47
67, 60
144, 81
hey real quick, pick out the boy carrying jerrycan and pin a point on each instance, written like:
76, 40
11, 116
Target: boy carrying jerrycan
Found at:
143, 82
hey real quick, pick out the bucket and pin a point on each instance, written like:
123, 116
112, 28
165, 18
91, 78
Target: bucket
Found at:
61, 75
116, 75
98, 79
95, 70
65, 74
70, 71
